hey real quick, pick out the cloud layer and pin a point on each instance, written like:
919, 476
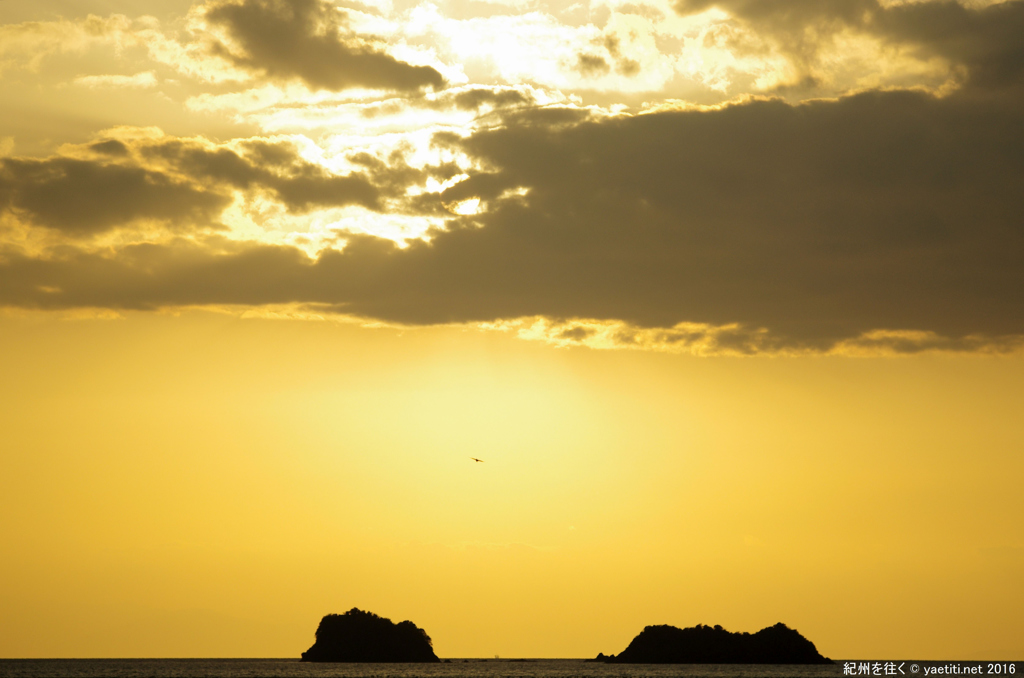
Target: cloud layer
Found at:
818, 223
307, 40
887, 219
985, 41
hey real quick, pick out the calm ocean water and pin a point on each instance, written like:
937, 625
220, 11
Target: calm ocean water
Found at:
457, 668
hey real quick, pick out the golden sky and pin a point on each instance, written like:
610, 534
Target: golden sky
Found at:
727, 295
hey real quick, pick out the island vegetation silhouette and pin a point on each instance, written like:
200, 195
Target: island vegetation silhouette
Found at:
702, 644
359, 636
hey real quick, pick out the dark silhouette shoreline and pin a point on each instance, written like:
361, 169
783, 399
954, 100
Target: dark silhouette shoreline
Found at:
359, 636
701, 644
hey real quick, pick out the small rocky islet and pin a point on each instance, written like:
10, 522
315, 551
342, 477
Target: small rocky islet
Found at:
358, 636
702, 644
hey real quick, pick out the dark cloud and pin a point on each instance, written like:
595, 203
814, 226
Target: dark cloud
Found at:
592, 64
790, 15
801, 226
985, 41
111, 147
623, 64
818, 222
149, 276
627, 67
473, 98
84, 197
185, 184
307, 40
589, 64
300, 185
576, 333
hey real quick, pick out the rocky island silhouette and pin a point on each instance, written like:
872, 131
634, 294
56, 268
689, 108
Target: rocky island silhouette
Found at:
701, 644
359, 636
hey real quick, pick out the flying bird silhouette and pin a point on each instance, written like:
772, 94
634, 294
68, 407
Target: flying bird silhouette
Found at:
475, 459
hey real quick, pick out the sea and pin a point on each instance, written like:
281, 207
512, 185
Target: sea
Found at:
452, 668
